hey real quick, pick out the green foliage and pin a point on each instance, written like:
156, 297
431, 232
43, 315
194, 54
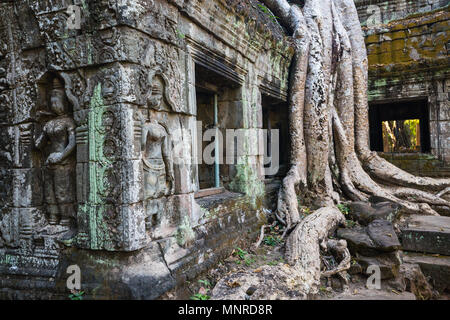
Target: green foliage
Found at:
350, 223
200, 296
401, 135
249, 261
412, 125
307, 211
266, 10
76, 295
203, 291
180, 35
241, 253
271, 241
205, 283
343, 208
276, 262
244, 256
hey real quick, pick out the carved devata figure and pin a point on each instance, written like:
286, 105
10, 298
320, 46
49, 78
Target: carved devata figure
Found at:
156, 157
57, 143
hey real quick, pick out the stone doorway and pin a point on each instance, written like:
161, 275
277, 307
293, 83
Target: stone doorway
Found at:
400, 127
276, 117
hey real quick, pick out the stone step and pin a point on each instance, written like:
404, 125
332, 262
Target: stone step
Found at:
426, 234
435, 266
368, 294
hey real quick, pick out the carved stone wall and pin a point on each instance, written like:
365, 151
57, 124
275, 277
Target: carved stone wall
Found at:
98, 137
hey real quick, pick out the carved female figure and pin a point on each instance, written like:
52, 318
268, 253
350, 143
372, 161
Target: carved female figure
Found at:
57, 140
157, 160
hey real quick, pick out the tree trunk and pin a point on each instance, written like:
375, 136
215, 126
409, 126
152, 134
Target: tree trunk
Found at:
330, 132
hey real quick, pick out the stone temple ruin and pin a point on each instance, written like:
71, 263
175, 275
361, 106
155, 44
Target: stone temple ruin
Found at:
101, 148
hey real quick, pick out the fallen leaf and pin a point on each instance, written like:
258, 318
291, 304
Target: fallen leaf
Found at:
257, 270
233, 284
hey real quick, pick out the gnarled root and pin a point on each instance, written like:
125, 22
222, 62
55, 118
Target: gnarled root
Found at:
302, 246
339, 249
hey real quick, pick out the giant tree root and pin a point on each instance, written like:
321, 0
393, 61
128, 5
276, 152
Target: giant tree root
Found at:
303, 245
300, 278
330, 132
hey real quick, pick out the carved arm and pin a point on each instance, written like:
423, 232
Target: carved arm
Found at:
39, 141
71, 145
168, 161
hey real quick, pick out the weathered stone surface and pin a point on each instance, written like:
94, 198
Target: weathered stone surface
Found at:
378, 237
271, 283
388, 263
415, 281
366, 212
98, 139
436, 267
426, 234
383, 235
358, 240
386, 11
369, 294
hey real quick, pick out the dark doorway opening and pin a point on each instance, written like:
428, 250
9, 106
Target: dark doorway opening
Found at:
276, 116
400, 127
206, 113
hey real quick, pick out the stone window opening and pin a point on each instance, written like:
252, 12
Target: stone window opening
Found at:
218, 109
276, 117
400, 127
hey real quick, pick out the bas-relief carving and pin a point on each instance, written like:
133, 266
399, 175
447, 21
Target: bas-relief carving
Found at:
56, 140
158, 169
165, 61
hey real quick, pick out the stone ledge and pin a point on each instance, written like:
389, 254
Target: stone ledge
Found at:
435, 266
428, 234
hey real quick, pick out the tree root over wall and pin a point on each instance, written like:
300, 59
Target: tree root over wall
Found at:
329, 129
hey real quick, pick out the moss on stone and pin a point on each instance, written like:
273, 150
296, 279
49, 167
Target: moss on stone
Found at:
247, 180
185, 233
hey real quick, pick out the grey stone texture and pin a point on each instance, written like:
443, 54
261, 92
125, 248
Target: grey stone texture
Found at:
436, 267
98, 140
389, 10
378, 237
428, 234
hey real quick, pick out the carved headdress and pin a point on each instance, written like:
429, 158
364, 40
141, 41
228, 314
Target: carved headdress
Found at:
57, 85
